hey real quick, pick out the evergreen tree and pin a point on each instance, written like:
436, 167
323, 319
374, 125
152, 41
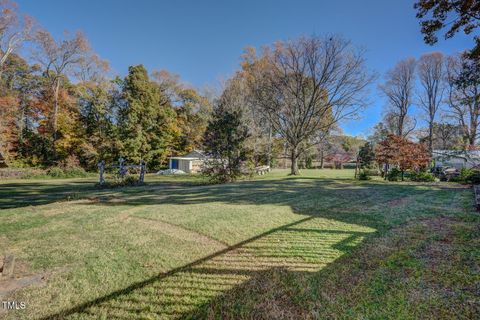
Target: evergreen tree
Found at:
366, 155
146, 124
224, 142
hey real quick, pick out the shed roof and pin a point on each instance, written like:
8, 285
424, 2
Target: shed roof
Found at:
192, 155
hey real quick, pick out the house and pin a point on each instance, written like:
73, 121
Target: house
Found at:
3, 163
456, 158
189, 163
338, 159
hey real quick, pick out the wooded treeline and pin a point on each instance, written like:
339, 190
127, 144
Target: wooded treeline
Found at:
61, 105
443, 91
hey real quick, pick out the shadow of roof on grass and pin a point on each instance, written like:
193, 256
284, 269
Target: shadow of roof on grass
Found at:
306, 245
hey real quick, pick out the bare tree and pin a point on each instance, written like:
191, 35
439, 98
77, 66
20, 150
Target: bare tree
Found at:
446, 135
398, 89
391, 123
92, 68
306, 86
59, 59
464, 95
431, 73
14, 30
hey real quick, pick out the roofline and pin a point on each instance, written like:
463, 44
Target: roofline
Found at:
183, 158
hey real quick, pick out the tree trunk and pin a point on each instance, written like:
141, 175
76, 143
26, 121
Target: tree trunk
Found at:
472, 136
294, 158
56, 90
321, 159
430, 138
401, 120
269, 152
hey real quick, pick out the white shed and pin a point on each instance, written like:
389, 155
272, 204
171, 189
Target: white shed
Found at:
189, 163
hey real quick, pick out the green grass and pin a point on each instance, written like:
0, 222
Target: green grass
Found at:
317, 246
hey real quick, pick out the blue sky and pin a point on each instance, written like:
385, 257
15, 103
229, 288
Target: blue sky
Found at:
202, 40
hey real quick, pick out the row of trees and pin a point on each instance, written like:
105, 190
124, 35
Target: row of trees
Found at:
446, 91
59, 103
298, 91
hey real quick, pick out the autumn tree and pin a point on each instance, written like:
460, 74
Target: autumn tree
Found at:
431, 73
402, 154
97, 96
307, 85
59, 60
15, 29
260, 132
455, 15
398, 89
7, 123
192, 108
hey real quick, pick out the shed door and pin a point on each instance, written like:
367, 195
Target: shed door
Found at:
174, 163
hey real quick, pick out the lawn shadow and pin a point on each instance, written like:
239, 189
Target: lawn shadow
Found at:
23, 193
329, 225
304, 246
18, 194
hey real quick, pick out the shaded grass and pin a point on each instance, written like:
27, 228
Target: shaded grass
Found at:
422, 270
269, 248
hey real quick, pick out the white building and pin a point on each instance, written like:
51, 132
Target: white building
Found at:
189, 163
456, 159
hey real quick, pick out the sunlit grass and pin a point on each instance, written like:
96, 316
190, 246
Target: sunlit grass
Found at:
176, 248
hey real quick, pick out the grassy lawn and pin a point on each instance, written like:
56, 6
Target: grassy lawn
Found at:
317, 246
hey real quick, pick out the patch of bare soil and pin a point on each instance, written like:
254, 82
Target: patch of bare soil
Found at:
8, 286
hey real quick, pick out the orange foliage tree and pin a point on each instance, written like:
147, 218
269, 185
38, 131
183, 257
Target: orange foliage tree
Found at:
401, 153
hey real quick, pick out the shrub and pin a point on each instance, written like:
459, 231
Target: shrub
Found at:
474, 178
55, 172
465, 174
372, 172
394, 174
75, 172
422, 176
21, 173
363, 175
67, 172
470, 176
349, 165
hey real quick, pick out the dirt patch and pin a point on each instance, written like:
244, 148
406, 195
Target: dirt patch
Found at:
8, 286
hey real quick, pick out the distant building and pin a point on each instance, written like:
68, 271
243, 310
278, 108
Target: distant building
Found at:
456, 158
189, 163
